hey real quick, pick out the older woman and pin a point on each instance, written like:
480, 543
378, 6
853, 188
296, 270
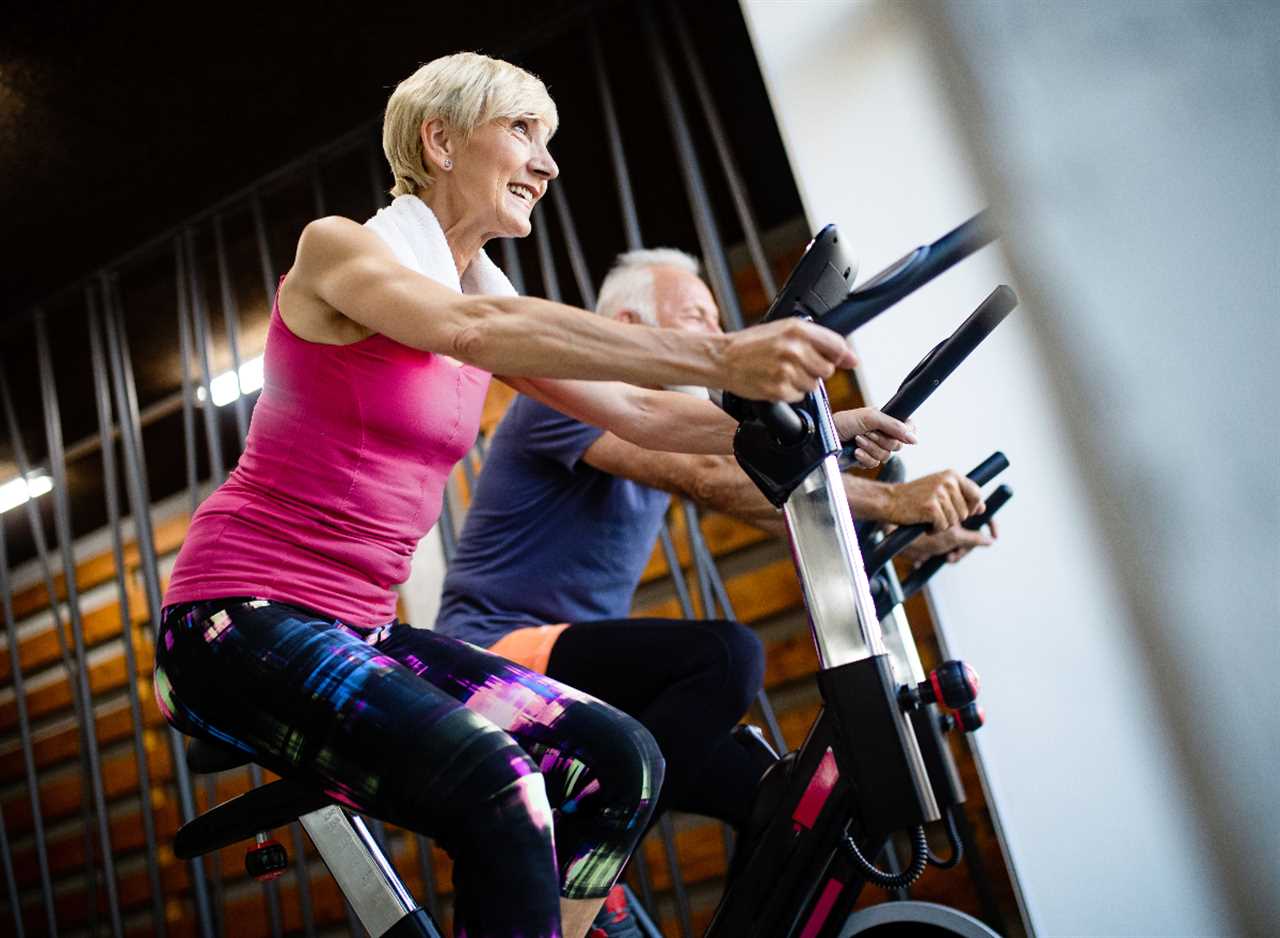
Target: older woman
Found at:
279, 634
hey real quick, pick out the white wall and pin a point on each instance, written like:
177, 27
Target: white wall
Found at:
1082, 761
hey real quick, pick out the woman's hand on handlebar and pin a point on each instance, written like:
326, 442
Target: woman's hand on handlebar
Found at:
782, 361
877, 436
941, 499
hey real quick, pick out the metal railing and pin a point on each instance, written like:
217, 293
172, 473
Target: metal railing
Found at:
203, 243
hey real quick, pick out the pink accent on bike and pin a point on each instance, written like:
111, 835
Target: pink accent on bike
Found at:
826, 902
817, 791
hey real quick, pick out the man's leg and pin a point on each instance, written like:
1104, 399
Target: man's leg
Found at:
688, 683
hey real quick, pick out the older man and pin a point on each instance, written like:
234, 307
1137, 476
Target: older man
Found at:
563, 521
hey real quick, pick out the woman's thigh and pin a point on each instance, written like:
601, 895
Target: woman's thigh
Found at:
310, 698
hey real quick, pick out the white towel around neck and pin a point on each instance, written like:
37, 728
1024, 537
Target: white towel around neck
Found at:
414, 234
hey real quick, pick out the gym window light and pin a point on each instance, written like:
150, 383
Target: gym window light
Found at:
17, 491
225, 388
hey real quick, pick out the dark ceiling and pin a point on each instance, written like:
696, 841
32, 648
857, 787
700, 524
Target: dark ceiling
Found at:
119, 119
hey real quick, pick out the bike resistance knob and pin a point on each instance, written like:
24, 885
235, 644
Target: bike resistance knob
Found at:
266, 861
970, 717
953, 684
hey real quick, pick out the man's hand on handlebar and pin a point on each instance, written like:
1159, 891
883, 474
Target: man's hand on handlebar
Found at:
877, 436
942, 499
782, 361
952, 543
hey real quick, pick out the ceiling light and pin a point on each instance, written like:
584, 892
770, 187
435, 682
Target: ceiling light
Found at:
17, 491
226, 388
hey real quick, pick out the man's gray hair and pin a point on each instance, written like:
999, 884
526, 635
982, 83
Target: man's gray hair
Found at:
629, 284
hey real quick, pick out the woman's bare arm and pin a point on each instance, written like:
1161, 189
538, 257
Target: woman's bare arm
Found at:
345, 268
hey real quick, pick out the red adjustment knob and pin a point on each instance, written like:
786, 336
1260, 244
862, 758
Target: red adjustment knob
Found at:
952, 684
970, 717
266, 861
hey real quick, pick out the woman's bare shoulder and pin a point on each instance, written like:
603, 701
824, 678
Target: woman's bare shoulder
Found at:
325, 245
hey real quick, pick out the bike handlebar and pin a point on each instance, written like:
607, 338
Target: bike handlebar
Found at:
892, 545
946, 357
923, 573
908, 274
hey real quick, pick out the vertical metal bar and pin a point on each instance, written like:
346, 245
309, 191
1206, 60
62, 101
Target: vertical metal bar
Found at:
448, 533
737, 188
374, 165
126, 402
677, 573
693, 533
427, 870
62, 525
511, 264
231, 322
15, 901
317, 187
678, 890
713, 254
200, 318
646, 883
301, 872
617, 155
577, 262
111, 486
188, 395
24, 736
546, 260
55, 613
264, 251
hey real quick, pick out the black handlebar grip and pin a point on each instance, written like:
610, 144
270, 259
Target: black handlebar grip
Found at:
892, 545
989, 468
924, 573
938, 365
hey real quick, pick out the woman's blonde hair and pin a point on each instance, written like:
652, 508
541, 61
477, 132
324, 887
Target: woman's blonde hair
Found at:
466, 91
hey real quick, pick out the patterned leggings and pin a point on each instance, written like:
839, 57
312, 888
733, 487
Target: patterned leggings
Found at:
535, 790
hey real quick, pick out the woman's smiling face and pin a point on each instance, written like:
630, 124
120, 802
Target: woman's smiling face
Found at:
502, 172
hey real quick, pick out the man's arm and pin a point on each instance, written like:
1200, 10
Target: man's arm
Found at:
717, 483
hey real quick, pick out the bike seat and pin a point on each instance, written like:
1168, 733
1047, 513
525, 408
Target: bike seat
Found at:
260, 809
204, 757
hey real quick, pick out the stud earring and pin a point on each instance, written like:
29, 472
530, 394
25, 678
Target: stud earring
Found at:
448, 164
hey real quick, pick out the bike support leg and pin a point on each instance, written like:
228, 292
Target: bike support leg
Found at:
364, 874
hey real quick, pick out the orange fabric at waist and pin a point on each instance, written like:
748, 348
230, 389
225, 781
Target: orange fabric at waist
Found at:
530, 647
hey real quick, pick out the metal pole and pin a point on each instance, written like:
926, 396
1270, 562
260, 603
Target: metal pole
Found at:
373, 162
699, 562
188, 396
546, 261
677, 574
55, 613
578, 263
317, 187
24, 735
427, 870
231, 322
200, 318
102, 401
617, 155
511, 264
62, 525
301, 872
140, 505
704, 220
737, 188
264, 250
15, 900
681, 895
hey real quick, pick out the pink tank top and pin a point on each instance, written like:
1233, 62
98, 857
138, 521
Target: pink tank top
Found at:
342, 474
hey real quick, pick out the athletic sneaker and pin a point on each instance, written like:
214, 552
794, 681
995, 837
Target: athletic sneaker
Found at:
614, 920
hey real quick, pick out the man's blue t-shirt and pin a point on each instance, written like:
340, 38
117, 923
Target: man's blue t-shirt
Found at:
547, 538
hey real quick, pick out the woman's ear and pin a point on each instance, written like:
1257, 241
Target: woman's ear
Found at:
629, 316
437, 144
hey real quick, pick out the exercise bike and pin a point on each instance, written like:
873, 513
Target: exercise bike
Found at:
861, 773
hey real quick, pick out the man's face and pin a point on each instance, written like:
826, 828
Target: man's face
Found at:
683, 301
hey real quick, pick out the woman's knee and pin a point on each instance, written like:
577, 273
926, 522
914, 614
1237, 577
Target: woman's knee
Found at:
624, 769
